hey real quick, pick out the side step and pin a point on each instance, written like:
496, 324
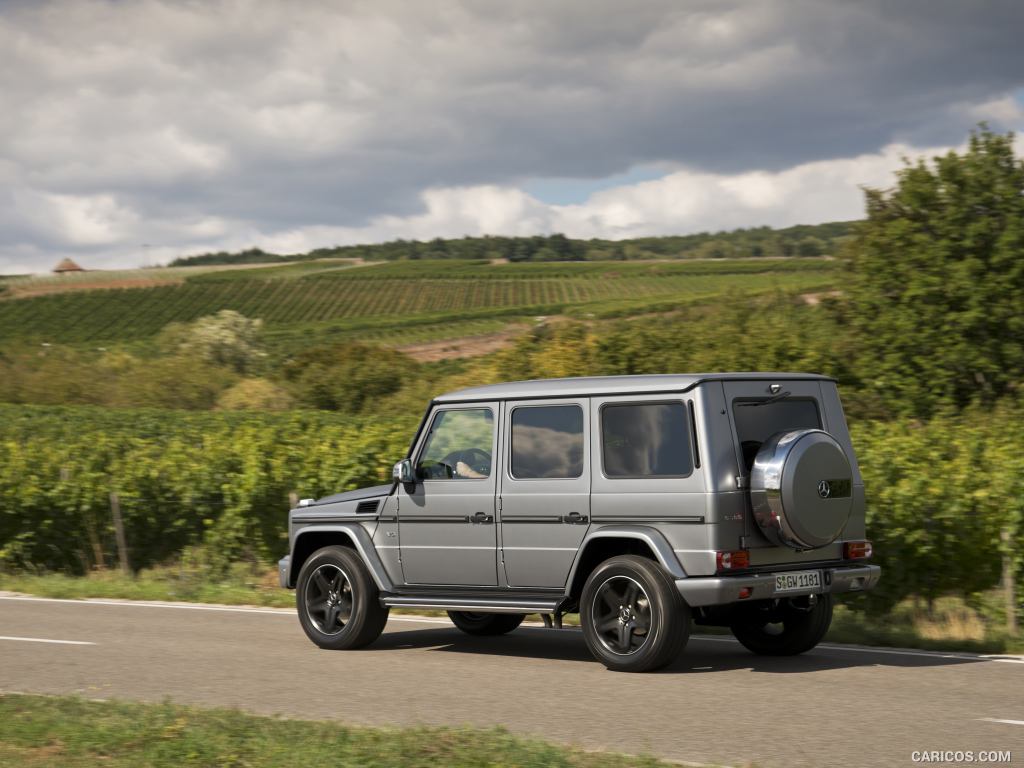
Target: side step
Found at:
475, 604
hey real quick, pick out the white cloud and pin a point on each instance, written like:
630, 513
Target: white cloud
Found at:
683, 201
193, 126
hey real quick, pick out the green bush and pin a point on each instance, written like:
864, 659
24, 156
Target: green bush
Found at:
220, 481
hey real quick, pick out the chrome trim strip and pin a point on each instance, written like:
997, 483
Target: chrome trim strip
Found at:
643, 520
403, 519
532, 519
340, 518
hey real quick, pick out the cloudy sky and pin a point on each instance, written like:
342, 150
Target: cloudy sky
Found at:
133, 132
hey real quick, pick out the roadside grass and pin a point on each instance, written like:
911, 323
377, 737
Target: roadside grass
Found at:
67, 731
952, 625
242, 587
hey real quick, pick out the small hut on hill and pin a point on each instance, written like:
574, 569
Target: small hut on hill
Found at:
66, 266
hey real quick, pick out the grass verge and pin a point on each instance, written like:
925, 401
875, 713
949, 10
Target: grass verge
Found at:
65, 731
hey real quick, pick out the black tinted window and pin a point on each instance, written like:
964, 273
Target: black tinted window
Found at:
547, 441
649, 440
757, 420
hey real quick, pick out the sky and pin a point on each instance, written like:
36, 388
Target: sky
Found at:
135, 132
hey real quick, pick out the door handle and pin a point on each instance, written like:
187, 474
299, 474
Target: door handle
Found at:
480, 517
574, 517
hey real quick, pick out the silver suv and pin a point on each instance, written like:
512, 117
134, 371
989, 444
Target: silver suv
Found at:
645, 503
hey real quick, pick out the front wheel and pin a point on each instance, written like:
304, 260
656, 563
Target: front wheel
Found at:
338, 603
486, 623
784, 627
633, 618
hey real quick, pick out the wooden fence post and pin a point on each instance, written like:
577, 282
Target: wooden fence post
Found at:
1009, 591
122, 545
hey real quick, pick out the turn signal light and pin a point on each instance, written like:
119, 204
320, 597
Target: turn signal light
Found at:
731, 561
857, 550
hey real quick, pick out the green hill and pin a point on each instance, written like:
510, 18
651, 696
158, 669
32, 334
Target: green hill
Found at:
755, 242
305, 301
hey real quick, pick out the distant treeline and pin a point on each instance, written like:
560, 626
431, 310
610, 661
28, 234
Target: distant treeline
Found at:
801, 240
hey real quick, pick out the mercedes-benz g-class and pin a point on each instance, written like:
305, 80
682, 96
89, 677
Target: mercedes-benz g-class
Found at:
645, 503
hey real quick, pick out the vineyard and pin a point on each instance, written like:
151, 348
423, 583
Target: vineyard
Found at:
219, 484
318, 296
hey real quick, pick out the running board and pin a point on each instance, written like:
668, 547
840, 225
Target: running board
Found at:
473, 604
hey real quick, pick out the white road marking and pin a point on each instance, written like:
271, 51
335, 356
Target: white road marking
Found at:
147, 604
998, 720
45, 640
1006, 658
889, 651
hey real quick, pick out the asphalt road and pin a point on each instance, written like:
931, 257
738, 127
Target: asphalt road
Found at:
837, 705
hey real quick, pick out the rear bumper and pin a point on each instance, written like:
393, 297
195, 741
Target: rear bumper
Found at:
721, 590
284, 571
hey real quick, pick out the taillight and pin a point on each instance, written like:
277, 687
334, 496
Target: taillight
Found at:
732, 561
856, 550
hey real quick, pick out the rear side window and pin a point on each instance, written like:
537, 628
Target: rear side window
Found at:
646, 440
759, 419
547, 442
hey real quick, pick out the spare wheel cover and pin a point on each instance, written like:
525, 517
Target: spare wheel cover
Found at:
801, 488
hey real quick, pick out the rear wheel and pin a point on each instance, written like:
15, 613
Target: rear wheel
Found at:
633, 618
784, 627
338, 602
486, 623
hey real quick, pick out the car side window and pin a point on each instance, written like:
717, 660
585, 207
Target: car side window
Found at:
547, 442
458, 446
646, 440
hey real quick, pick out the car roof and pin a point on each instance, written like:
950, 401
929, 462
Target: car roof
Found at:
609, 385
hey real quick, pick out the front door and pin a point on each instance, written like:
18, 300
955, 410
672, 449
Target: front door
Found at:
446, 528
545, 489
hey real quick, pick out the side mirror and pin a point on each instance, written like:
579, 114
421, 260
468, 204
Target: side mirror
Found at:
402, 473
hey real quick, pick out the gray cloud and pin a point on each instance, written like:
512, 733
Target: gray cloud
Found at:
206, 123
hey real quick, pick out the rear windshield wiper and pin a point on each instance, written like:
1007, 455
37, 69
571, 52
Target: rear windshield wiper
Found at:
766, 401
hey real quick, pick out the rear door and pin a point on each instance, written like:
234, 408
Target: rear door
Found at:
545, 489
760, 409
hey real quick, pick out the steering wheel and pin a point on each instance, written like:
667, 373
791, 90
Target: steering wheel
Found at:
476, 459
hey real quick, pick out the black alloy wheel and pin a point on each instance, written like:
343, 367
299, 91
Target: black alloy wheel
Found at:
633, 617
337, 600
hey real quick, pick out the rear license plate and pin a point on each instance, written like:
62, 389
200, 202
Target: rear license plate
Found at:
797, 581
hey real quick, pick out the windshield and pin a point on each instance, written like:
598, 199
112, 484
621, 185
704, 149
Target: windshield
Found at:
759, 419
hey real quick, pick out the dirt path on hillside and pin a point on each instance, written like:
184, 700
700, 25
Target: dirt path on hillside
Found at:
467, 346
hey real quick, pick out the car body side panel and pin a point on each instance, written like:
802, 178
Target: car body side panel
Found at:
386, 541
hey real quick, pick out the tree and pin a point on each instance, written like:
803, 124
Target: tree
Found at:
255, 395
228, 339
347, 376
938, 280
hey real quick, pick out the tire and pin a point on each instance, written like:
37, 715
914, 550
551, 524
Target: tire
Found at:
338, 602
626, 594
486, 623
786, 628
